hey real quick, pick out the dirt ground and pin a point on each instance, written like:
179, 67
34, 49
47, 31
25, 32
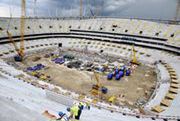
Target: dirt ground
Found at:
128, 90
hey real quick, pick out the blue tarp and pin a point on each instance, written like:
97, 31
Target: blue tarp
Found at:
35, 68
59, 60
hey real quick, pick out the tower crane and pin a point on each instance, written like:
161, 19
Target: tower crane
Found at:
34, 9
177, 10
20, 51
23, 13
81, 8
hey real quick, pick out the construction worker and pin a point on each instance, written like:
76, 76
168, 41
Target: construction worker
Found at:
74, 112
62, 117
81, 105
88, 105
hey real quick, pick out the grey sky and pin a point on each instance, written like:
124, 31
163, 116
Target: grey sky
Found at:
147, 9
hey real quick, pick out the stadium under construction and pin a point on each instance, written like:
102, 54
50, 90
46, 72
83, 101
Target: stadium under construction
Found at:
123, 69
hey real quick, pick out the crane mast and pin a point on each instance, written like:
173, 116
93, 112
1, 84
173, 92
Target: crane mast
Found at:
23, 13
34, 9
20, 51
81, 7
134, 58
177, 10
13, 42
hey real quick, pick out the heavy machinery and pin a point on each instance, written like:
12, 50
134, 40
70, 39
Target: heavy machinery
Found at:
112, 99
20, 51
134, 58
98, 89
20, 54
40, 75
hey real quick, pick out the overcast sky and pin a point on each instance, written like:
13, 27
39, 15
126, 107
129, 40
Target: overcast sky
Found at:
147, 9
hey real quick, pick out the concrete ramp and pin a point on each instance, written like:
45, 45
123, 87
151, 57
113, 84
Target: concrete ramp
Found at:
59, 98
12, 111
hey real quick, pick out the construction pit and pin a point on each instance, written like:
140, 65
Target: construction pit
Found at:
132, 91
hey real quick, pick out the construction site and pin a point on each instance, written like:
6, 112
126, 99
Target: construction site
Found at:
54, 69
85, 70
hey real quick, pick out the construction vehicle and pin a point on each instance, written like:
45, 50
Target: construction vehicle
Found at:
134, 58
112, 99
98, 89
44, 77
20, 51
41, 76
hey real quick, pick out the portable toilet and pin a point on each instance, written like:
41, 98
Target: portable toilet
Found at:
128, 72
121, 73
123, 68
117, 76
110, 76
116, 71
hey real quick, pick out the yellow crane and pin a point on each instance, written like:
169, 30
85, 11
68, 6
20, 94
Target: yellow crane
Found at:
134, 58
13, 42
96, 87
20, 51
23, 13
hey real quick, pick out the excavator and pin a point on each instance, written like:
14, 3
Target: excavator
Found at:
20, 51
